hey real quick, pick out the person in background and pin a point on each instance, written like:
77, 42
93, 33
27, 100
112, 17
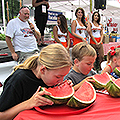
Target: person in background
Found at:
22, 89
96, 34
113, 59
60, 31
83, 56
23, 32
79, 27
41, 16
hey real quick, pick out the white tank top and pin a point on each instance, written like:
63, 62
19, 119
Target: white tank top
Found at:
80, 30
96, 30
62, 39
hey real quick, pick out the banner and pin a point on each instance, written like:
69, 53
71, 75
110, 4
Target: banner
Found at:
52, 17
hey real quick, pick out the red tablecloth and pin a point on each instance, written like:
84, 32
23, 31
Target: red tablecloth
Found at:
106, 47
104, 108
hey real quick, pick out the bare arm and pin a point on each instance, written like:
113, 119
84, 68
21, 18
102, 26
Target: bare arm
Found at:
89, 79
35, 100
68, 41
106, 69
10, 46
73, 31
55, 33
76, 87
36, 33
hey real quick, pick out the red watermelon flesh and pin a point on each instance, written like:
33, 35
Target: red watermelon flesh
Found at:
60, 94
117, 82
83, 97
100, 80
85, 93
64, 90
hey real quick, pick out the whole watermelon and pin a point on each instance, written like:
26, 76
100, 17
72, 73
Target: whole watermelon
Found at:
83, 97
117, 71
100, 80
113, 87
59, 94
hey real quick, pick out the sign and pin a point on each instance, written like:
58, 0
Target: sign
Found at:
112, 24
52, 17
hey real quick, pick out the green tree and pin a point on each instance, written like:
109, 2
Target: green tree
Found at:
14, 6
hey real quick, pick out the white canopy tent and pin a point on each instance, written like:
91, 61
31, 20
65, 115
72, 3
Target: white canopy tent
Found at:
67, 6
112, 6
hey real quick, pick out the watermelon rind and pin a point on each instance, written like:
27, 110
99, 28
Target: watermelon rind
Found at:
97, 84
59, 100
75, 102
117, 71
113, 89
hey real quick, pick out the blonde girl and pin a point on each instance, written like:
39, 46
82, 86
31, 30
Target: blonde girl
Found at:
22, 89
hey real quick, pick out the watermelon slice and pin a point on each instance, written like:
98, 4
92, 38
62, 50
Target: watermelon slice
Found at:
60, 94
117, 71
83, 97
113, 87
100, 80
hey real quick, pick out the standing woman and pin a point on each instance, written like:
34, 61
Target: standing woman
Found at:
79, 27
41, 16
60, 31
96, 35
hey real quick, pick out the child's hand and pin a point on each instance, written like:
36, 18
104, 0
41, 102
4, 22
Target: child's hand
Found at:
89, 79
38, 100
70, 82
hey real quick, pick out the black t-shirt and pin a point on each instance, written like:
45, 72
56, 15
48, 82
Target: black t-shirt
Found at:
38, 9
18, 87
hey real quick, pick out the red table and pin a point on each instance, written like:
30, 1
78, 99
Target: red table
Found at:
104, 108
106, 47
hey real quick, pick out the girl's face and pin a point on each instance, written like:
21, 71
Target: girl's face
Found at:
79, 14
53, 77
85, 65
58, 21
118, 61
96, 17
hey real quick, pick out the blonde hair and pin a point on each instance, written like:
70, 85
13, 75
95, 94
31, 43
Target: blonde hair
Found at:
110, 57
82, 49
53, 56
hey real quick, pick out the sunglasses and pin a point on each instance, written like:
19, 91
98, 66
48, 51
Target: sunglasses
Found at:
24, 7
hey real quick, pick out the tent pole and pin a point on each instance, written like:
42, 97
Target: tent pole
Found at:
3, 10
7, 11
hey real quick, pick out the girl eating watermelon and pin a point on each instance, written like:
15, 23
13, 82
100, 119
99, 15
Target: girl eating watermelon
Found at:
113, 59
22, 89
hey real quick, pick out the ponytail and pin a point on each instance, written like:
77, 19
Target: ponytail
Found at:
30, 63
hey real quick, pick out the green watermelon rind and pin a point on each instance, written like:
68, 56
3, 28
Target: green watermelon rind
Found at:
97, 84
75, 102
116, 71
113, 89
58, 100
